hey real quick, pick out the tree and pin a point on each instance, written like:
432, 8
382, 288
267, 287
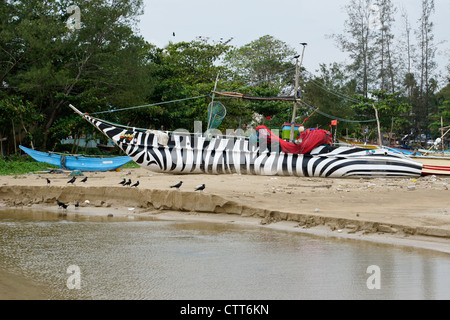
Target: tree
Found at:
384, 40
392, 110
441, 117
359, 41
17, 114
263, 61
184, 71
426, 64
407, 52
266, 67
53, 64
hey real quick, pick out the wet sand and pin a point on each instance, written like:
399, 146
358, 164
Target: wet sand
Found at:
398, 208
15, 287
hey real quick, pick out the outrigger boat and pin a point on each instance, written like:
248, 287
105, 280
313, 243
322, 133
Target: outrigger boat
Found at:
263, 153
353, 143
433, 165
77, 162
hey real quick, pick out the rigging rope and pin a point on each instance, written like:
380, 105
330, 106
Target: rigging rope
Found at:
335, 118
312, 80
339, 95
152, 104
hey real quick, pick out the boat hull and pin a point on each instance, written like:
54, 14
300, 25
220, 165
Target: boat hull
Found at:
186, 153
81, 163
434, 165
351, 143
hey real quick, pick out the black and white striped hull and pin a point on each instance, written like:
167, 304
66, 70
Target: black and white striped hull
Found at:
229, 155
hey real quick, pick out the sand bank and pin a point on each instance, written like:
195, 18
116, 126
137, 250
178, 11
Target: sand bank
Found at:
404, 211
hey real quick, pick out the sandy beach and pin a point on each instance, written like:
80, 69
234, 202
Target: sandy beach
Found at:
400, 211
393, 211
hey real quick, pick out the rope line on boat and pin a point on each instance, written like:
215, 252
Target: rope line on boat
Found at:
334, 117
334, 92
289, 69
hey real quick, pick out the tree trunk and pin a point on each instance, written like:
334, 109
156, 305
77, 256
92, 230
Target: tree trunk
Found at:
61, 102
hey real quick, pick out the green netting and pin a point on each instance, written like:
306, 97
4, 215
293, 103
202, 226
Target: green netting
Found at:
216, 113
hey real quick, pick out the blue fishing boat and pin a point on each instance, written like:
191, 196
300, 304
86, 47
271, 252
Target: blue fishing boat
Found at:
77, 162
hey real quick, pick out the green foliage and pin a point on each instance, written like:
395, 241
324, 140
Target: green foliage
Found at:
330, 91
15, 113
442, 116
50, 64
393, 110
185, 70
16, 164
105, 65
262, 61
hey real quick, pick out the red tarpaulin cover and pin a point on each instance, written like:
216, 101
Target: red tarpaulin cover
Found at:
311, 138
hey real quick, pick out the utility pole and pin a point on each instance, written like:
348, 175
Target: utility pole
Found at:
294, 112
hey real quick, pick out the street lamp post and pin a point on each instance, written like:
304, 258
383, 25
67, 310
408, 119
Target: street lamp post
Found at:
294, 112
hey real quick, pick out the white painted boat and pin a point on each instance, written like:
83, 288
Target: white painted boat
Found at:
183, 152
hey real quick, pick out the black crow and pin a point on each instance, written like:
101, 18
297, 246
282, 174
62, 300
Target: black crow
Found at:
178, 185
60, 204
200, 188
76, 205
48, 181
123, 181
136, 184
72, 180
64, 206
127, 183
84, 179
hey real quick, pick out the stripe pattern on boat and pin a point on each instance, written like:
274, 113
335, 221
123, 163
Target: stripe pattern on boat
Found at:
228, 155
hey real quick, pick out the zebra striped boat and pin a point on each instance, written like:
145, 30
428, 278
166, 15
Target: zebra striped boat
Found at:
179, 152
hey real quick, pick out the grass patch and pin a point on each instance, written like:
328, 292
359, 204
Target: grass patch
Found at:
22, 167
129, 165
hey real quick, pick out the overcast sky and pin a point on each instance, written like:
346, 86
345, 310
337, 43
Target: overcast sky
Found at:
291, 21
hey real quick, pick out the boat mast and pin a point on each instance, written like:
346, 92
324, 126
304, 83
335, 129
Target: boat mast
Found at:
294, 111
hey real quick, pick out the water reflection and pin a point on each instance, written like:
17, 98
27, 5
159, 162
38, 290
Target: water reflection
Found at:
122, 259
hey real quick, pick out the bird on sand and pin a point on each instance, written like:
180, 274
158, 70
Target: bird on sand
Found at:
64, 206
200, 187
84, 179
123, 181
76, 204
60, 204
136, 184
127, 183
178, 185
72, 180
48, 181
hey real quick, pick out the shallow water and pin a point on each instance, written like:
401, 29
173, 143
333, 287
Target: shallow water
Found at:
190, 260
